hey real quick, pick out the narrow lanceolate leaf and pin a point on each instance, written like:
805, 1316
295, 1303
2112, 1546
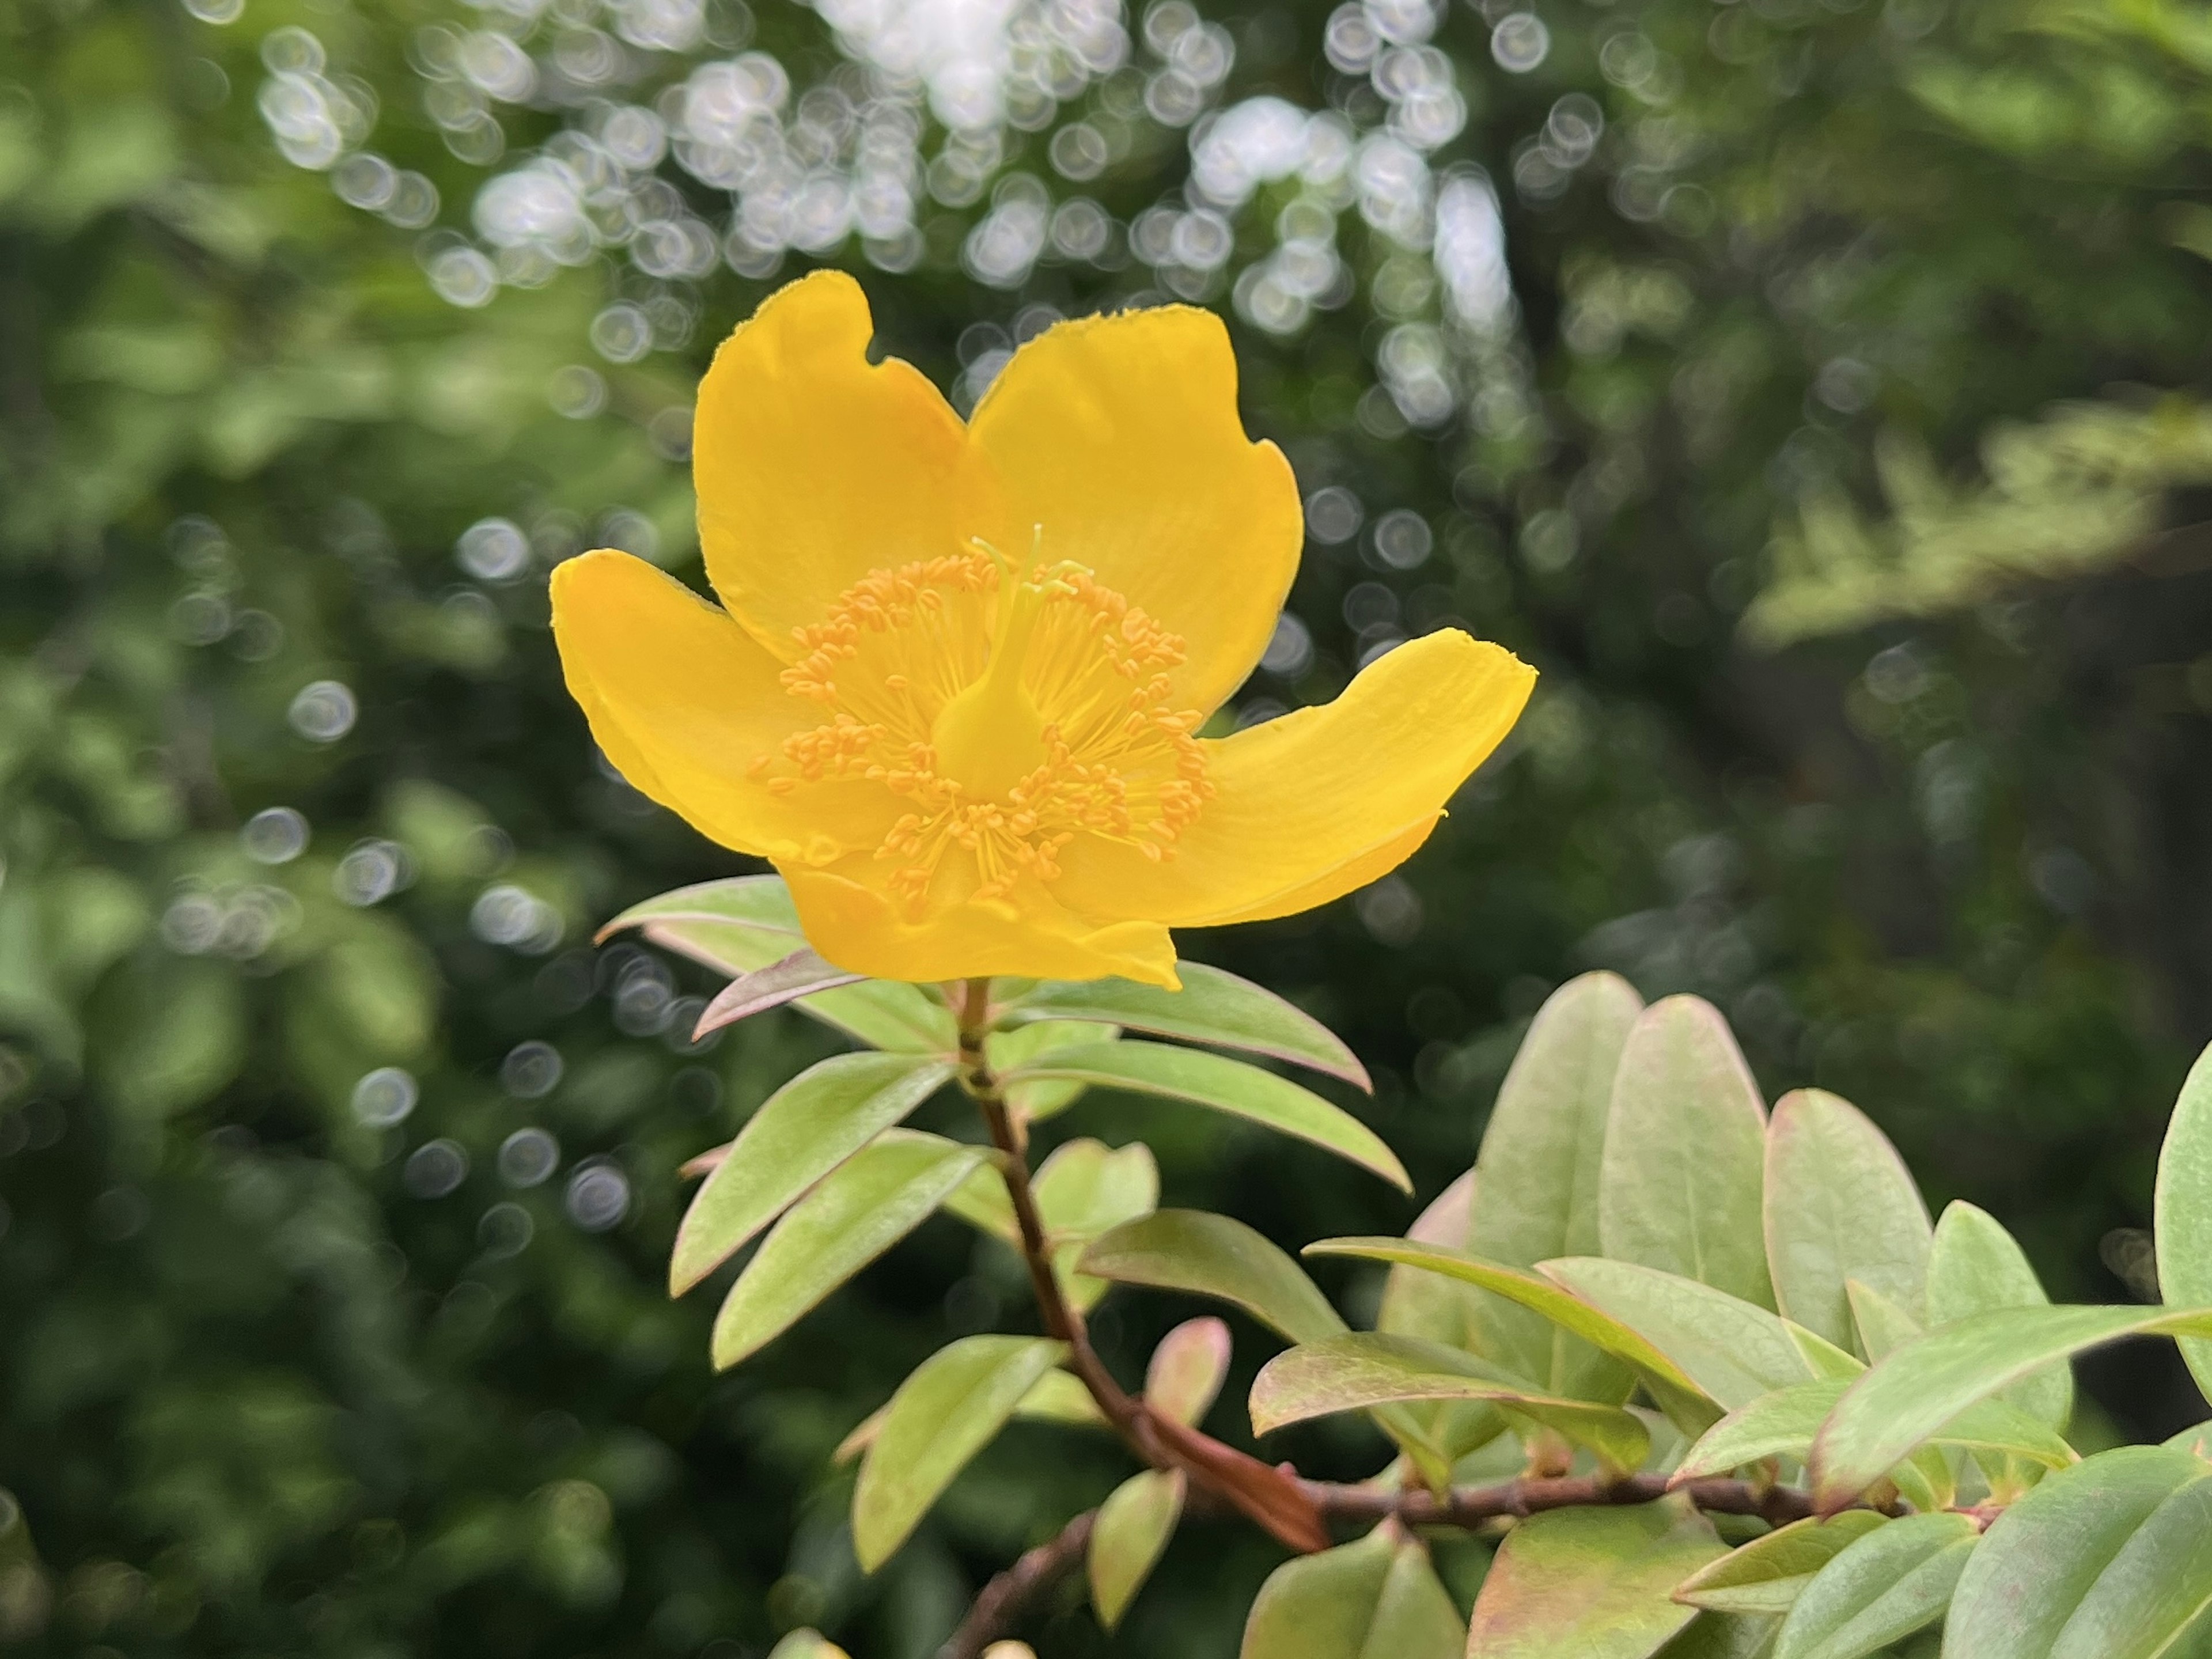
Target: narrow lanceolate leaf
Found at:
1733, 1351
1839, 1205
870, 1202
1926, 1383
1214, 1255
1879, 1589
1538, 1174
1594, 1583
1726, 1635
1213, 1007
1133, 1525
748, 923
1767, 1575
1783, 1424
1224, 1085
1976, 1266
1880, 1324
2184, 1213
949, 1410
801, 1133
2049, 1579
800, 974
1006, 1050
1187, 1369
1376, 1599
1680, 1183
1669, 1384
1361, 1369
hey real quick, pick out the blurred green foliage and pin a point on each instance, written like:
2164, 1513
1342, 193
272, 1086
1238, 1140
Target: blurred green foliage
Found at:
339, 1169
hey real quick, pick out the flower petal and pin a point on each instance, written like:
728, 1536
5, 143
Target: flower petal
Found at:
814, 466
1321, 801
681, 700
861, 930
1116, 443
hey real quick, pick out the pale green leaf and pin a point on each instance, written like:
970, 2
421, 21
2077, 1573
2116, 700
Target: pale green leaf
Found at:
870, 1202
1060, 1397
1782, 1424
748, 922
1879, 1589
2196, 1440
1592, 1583
1362, 1369
1880, 1324
1213, 1007
1187, 1369
803, 973
942, 1415
1724, 1636
1375, 1598
1440, 1310
1214, 1255
1839, 1205
2154, 1600
1733, 1351
1976, 1268
1224, 1085
1679, 1182
1669, 1384
1538, 1176
2038, 1580
1766, 1575
1084, 1187
800, 1134
1926, 1384
1133, 1525
1035, 1102
2183, 1209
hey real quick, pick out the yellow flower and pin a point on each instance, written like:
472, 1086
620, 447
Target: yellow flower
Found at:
954, 690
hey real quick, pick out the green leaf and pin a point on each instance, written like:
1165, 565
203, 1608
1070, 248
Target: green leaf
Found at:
1839, 1205
1361, 1369
807, 1645
1782, 1424
1593, 1583
863, 1207
1214, 1255
1766, 1575
1926, 1383
1035, 1102
801, 1133
1213, 1007
949, 1410
1085, 1187
1679, 1186
2196, 1440
1060, 1397
1731, 1350
802, 973
2036, 1588
1879, 1589
747, 923
1225, 1086
1133, 1525
2183, 1216
982, 1202
1669, 1384
1882, 1325
1976, 1266
1440, 1310
1376, 1599
1538, 1170
1187, 1369
1724, 1636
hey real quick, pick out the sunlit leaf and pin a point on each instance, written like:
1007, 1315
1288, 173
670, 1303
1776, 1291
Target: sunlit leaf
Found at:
1879, 1589
1214, 1255
800, 1134
2184, 1211
1926, 1383
870, 1202
942, 1415
1839, 1205
1213, 1007
1224, 1085
1680, 1183
1133, 1525
1595, 1583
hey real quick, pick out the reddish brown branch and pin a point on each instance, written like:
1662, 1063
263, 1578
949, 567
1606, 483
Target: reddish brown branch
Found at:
1470, 1506
1005, 1596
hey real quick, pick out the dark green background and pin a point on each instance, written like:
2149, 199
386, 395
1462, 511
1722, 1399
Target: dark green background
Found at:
1880, 324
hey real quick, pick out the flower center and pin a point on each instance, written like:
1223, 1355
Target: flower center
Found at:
1011, 708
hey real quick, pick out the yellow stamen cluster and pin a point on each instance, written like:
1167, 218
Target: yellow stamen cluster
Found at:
1077, 720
